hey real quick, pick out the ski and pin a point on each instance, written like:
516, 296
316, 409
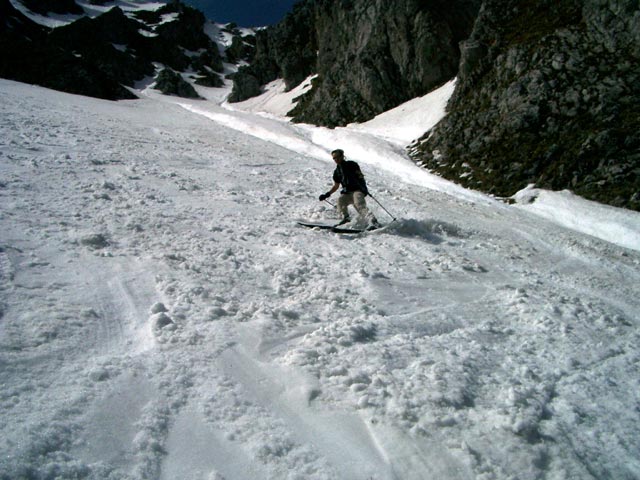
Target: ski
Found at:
335, 228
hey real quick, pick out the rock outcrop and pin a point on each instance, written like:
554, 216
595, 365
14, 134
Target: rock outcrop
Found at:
99, 56
370, 55
172, 83
287, 50
548, 94
29, 56
243, 46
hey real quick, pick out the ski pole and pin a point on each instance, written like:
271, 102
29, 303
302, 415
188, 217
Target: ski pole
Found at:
376, 200
329, 203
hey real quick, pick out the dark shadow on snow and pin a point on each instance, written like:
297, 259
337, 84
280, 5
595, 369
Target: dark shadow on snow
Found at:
433, 231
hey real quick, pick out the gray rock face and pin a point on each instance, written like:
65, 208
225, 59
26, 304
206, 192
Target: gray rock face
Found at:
287, 50
548, 93
377, 54
370, 55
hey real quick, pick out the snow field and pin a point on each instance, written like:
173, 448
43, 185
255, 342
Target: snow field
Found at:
163, 317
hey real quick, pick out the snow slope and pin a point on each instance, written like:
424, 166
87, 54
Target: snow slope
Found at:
162, 316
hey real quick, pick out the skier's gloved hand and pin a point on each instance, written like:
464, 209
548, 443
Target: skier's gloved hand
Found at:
323, 197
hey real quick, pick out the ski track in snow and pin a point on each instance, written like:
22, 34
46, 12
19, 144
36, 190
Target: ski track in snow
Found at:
162, 317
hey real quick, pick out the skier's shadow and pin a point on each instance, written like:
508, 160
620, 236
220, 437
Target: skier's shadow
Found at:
431, 231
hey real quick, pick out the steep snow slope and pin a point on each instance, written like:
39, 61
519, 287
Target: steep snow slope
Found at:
163, 317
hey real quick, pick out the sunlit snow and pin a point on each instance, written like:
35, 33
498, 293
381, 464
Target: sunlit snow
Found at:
162, 316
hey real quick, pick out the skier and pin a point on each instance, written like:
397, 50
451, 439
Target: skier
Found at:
354, 189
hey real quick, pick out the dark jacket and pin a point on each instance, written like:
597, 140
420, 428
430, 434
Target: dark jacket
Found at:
349, 175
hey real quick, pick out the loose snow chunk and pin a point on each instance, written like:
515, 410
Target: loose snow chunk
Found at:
363, 333
99, 374
158, 308
160, 321
95, 241
340, 371
215, 313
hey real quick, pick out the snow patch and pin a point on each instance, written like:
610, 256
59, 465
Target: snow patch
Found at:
615, 225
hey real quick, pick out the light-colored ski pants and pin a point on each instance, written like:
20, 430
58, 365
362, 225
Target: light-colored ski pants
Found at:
357, 200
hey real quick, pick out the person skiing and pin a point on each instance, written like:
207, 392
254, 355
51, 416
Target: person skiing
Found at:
354, 189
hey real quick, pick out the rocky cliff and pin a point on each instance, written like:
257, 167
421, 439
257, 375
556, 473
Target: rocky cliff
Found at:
370, 55
548, 93
287, 50
28, 56
97, 56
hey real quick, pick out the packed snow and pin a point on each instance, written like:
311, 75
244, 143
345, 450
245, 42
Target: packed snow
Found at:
162, 315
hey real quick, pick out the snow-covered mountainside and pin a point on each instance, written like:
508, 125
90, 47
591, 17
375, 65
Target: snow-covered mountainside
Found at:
98, 48
163, 317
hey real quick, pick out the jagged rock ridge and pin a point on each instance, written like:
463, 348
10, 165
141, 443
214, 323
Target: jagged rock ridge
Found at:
370, 55
97, 56
287, 50
548, 94
547, 91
